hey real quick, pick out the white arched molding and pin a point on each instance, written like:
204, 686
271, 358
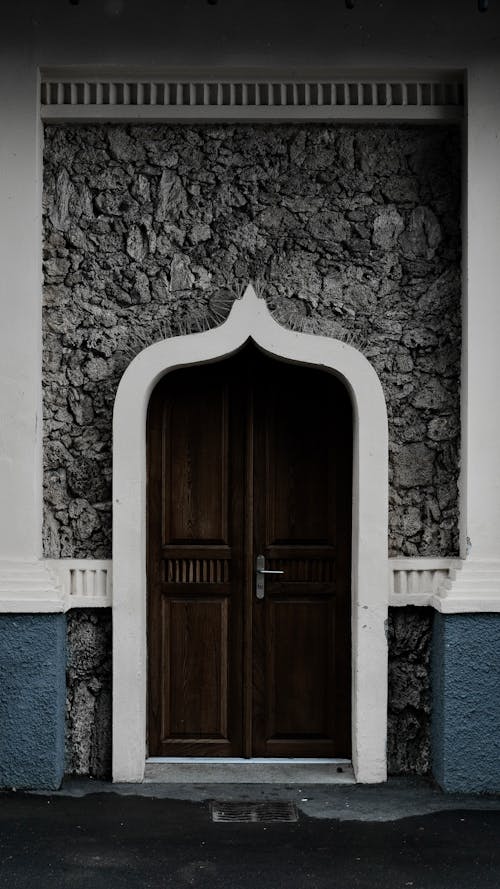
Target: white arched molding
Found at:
250, 319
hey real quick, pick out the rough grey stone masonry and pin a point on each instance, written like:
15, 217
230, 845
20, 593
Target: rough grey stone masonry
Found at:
349, 231
88, 693
409, 710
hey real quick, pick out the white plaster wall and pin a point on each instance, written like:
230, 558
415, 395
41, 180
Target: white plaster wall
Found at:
287, 34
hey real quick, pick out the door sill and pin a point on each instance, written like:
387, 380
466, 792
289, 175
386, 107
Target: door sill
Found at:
228, 770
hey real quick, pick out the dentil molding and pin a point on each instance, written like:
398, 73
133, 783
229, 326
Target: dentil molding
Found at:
273, 98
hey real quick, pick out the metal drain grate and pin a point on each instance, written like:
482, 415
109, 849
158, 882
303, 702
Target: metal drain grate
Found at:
269, 811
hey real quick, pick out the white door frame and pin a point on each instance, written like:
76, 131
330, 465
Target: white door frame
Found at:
250, 319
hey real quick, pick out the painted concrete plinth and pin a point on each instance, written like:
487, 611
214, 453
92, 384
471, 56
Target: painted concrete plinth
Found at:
466, 702
32, 700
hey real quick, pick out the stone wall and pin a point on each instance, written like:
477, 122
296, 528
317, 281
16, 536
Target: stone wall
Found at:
154, 230
409, 709
350, 231
88, 693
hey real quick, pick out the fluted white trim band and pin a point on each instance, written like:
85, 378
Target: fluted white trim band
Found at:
451, 586
417, 581
52, 585
85, 583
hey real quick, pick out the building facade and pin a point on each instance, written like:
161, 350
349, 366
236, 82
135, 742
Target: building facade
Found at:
299, 216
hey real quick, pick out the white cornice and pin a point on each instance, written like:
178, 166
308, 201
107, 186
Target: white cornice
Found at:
472, 586
29, 587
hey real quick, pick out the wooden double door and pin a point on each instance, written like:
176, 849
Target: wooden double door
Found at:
249, 467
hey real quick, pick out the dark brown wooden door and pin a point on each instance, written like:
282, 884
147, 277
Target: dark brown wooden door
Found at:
249, 457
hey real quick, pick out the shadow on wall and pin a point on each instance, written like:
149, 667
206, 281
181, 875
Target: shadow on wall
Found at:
88, 693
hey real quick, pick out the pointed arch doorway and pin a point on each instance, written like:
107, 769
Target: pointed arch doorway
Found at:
250, 319
248, 472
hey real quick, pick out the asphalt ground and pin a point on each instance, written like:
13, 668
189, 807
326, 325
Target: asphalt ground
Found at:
139, 841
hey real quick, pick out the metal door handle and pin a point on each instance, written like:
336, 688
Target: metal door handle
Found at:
266, 571
259, 579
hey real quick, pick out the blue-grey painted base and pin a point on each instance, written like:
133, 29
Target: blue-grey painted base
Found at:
32, 700
466, 702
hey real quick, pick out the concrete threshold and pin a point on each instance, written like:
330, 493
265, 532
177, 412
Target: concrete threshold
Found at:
212, 770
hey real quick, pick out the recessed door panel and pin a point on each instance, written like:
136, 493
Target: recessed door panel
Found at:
300, 631
195, 675
195, 476
296, 485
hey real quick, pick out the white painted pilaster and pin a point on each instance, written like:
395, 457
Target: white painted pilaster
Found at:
481, 343
481, 392
20, 301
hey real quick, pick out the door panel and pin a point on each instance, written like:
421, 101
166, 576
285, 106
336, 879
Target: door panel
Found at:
196, 589
302, 472
247, 457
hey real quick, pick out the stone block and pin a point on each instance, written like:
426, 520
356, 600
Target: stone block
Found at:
413, 465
